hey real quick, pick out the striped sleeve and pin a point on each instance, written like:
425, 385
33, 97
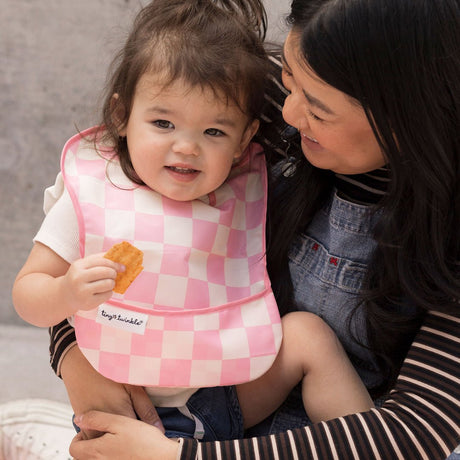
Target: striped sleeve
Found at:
420, 420
272, 124
62, 339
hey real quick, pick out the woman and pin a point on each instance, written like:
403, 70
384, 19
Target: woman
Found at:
363, 231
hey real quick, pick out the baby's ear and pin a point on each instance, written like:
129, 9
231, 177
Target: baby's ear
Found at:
118, 112
249, 133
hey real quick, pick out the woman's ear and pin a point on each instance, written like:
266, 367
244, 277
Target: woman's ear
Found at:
248, 134
118, 112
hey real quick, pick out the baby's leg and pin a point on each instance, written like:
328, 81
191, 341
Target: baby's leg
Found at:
311, 353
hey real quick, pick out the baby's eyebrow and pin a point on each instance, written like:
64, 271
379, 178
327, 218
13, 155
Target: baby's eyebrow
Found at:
159, 109
224, 121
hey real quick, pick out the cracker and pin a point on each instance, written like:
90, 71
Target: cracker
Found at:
131, 257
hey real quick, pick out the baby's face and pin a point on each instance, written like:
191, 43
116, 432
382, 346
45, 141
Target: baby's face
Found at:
183, 140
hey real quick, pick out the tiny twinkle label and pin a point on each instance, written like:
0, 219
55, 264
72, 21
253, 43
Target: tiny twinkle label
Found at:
120, 318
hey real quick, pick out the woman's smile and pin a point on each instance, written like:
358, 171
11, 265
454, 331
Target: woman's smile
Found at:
310, 142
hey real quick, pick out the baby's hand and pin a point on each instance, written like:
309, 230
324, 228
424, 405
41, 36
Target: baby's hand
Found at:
90, 281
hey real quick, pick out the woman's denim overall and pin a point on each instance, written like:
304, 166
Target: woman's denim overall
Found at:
328, 263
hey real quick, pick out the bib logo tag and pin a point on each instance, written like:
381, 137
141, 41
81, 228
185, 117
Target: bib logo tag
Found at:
119, 318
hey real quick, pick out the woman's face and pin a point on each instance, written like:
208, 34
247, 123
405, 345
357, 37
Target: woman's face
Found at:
334, 129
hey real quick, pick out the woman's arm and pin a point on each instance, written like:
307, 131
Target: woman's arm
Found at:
89, 390
420, 420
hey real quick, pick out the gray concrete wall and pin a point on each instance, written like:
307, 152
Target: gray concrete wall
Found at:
53, 60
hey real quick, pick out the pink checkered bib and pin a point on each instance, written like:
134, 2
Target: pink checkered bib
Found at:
202, 312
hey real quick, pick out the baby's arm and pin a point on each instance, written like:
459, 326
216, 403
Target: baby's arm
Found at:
310, 353
48, 289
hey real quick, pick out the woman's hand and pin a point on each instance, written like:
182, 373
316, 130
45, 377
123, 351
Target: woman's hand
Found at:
88, 390
122, 438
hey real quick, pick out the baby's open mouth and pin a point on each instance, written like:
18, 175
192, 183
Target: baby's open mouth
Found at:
182, 170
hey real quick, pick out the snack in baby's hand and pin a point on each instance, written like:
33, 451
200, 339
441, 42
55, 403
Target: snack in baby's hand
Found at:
129, 256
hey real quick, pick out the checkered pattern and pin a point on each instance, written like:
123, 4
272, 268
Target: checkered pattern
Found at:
212, 317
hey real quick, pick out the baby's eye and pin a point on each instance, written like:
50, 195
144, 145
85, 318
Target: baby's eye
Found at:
214, 132
163, 124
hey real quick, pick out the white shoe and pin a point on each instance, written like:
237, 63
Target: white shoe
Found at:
35, 429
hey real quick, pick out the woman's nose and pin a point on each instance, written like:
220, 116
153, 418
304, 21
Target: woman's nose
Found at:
292, 111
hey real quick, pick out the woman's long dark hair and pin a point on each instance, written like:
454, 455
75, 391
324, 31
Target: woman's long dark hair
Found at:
400, 60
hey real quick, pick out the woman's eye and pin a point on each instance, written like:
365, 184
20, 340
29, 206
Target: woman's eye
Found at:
214, 132
286, 78
163, 124
286, 72
315, 117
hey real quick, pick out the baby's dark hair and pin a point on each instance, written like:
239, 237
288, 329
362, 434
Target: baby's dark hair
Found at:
214, 44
